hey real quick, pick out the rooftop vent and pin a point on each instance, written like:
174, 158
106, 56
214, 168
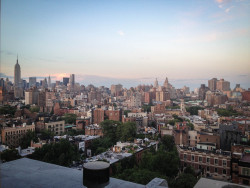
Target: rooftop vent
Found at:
96, 174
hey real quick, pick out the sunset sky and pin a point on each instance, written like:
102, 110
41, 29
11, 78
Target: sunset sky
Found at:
129, 41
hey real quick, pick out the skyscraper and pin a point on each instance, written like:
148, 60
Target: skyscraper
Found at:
212, 84
32, 82
17, 74
49, 82
72, 82
156, 85
223, 85
18, 90
65, 81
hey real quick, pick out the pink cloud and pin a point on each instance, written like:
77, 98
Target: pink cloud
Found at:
222, 1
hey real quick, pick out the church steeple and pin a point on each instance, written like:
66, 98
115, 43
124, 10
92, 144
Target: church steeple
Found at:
17, 59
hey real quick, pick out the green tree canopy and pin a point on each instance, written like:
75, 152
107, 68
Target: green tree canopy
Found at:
9, 155
34, 109
7, 109
70, 118
60, 153
30, 135
193, 110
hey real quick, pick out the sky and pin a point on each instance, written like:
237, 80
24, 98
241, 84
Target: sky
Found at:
128, 41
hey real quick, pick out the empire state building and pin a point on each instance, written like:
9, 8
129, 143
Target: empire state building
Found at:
18, 90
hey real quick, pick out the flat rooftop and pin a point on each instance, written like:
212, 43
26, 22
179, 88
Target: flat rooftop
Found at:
30, 173
208, 183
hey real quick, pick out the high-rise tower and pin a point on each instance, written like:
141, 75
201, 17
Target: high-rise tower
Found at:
49, 82
72, 82
156, 85
17, 74
18, 90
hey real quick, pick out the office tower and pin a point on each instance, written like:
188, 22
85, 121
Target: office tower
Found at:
32, 82
31, 96
72, 82
156, 85
223, 85
18, 91
116, 90
49, 82
65, 81
166, 84
212, 84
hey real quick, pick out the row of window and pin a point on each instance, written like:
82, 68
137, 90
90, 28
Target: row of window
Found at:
17, 132
54, 126
224, 171
200, 159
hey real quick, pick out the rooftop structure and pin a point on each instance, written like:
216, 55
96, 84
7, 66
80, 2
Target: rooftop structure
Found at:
208, 183
31, 173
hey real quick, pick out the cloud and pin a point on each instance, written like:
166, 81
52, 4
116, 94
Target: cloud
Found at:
121, 33
229, 9
222, 1
2, 75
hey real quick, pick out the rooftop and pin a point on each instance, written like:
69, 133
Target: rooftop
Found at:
194, 149
31, 173
208, 183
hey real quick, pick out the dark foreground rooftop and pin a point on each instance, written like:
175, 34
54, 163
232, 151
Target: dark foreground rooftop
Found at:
30, 173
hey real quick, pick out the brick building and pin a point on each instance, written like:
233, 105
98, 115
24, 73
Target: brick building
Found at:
215, 164
57, 127
93, 130
12, 136
98, 116
240, 168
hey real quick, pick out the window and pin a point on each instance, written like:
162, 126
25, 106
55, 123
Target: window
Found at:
224, 163
195, 137
60, 124
200, 159
246, 171
215, 170
208, 160
185, 156
208, 168
224, 171
215, 161
192, 158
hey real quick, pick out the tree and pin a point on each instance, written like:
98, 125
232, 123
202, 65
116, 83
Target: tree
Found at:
34, 109
142, 176
70, 118
7, 109
126, 112
128, 131
193, 110
185, 180
46, 135
61, 153
9, 155
110, 129
191, 126
168, 142
30, 135
146, 108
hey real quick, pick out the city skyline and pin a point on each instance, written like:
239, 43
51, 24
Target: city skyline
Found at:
129, 42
